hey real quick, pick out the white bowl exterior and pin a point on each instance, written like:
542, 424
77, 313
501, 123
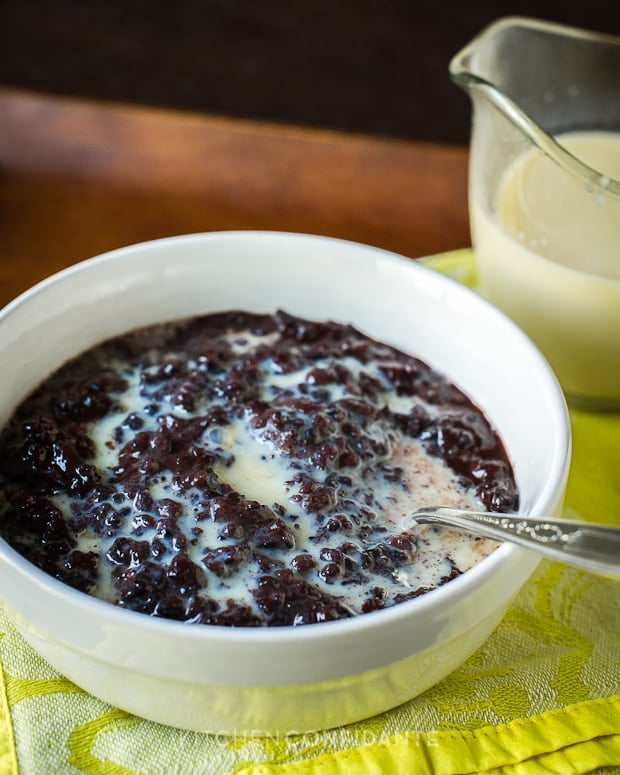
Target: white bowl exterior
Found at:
297, 678
248, 684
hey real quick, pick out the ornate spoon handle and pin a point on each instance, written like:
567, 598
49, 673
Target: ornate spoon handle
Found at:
587, 545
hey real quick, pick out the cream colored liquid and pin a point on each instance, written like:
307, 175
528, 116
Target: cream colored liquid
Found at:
550, 258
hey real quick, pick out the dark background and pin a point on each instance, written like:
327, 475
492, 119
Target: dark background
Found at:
372, 66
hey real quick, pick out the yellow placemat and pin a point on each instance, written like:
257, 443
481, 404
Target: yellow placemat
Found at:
541, 696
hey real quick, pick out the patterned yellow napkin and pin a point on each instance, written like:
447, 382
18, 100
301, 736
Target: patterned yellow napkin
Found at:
541, 696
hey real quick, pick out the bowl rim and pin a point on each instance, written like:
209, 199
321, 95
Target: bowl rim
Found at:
417, 607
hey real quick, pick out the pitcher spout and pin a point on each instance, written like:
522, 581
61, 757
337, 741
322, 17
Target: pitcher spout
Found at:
536, 74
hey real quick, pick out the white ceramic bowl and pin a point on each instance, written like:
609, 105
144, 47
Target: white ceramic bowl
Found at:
287, 679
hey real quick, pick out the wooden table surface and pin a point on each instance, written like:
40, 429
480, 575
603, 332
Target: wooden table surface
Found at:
78, 178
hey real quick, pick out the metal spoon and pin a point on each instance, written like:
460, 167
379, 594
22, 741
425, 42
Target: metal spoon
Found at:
587, 545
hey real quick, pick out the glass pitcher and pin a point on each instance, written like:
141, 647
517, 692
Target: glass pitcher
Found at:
544, 192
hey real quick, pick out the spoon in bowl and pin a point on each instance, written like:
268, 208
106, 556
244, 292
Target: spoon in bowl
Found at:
586, 545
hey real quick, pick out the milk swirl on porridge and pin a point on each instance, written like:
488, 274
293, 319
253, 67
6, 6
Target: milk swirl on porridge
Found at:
248, 470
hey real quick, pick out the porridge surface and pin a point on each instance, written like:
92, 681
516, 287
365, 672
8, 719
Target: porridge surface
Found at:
247, 470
